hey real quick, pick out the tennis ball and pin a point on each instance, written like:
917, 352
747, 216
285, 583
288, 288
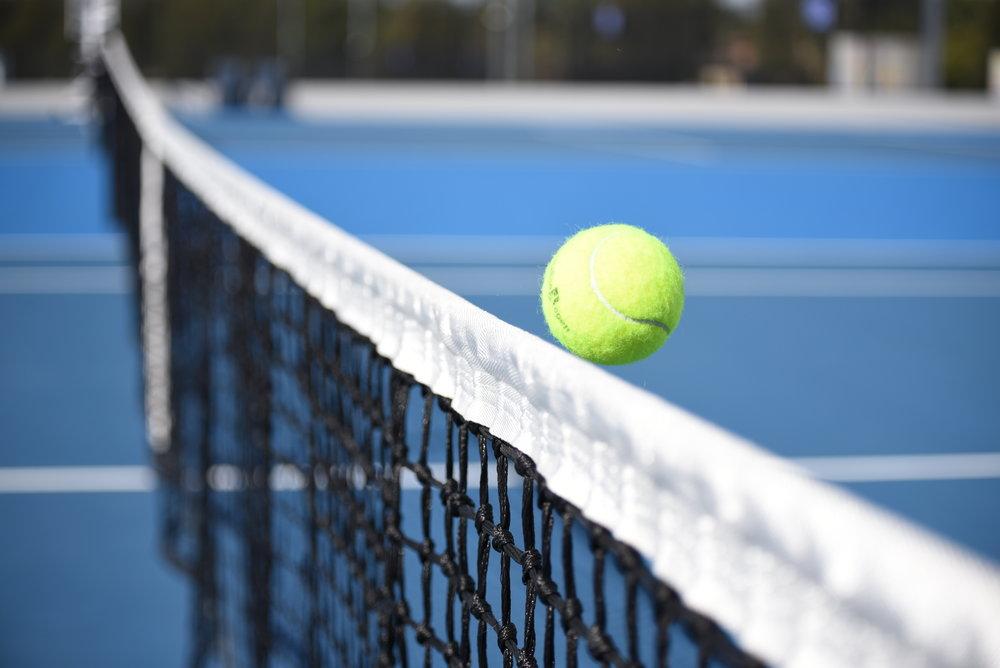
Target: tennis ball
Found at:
612, 294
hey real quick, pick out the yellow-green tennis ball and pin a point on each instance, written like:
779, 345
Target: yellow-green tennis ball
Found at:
612, 294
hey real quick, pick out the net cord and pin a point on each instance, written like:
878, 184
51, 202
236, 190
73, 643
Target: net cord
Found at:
801, 573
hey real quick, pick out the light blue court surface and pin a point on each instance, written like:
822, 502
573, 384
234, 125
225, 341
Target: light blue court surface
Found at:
879, 346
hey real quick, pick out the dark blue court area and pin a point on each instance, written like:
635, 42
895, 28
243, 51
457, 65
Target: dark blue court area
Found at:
843, 310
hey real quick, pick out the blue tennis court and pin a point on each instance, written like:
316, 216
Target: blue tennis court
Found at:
844, 309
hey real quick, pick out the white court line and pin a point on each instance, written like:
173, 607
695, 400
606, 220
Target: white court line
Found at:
545, 102
539, 103
748, 282
516, 249
866, 468
888, 468
62, 479
523, 281
41, 98
512, 265
533, 250
843, 282
76, 280
52, 248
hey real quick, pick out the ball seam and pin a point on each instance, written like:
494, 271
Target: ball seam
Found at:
600, 295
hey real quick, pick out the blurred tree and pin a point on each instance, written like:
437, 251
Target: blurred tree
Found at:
324, 51
973, 29
431, 39
644, 40
882, 16
767, 41
185, 38
789, 52
32, 39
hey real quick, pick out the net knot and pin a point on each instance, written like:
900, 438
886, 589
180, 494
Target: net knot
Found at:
531, 562
447, 565
422, 472
423, 634
599, 645
704, 631
546, 588
526, 661
502, 538
506, 636
484, 515
629, 560
667, 605
451, 652
466, 584
393, 534
451, 495
426, 549
524, 466
478, 606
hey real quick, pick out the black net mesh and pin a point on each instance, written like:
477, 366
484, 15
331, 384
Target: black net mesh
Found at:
331, 511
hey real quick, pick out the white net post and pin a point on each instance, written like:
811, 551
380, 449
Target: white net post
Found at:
88, 22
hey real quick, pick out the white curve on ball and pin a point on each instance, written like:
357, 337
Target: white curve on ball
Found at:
600, 295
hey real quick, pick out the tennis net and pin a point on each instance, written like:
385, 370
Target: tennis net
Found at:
360, 468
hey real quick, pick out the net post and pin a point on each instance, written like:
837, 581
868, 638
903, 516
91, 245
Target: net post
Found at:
88, 23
